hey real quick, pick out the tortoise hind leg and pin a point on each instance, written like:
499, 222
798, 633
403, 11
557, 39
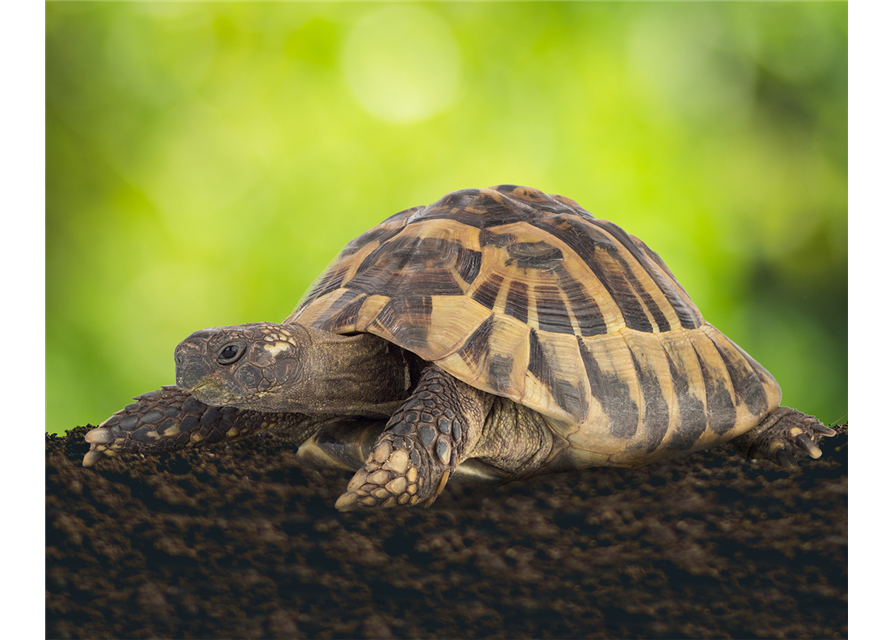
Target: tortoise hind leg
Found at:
425, 440
782, 436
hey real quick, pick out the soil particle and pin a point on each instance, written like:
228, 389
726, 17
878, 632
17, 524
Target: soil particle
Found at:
237, 541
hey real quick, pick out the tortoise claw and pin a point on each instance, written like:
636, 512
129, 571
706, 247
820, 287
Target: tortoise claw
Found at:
805, 444
92, 457
822, 430
783, 436
102, 442
99, 435
785, 460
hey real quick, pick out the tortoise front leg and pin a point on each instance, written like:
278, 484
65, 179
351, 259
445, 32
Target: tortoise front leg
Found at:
170, 419
782, 436
428, 436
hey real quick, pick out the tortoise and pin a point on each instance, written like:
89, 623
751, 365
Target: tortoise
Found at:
492, 336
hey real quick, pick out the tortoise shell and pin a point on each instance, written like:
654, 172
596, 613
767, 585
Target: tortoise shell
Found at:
528, 296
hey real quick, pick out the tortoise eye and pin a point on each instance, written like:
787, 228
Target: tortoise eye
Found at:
230, 353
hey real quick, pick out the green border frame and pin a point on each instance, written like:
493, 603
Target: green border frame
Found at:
870, 210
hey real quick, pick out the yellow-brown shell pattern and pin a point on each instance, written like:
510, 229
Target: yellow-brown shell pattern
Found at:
528, 296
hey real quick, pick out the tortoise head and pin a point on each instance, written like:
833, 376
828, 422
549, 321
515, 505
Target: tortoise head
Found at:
292, 368
251, 366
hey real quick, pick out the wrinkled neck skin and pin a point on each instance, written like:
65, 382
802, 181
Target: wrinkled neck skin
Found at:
293, 368
351, 375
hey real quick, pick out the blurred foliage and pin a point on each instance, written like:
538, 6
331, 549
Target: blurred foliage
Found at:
205, 161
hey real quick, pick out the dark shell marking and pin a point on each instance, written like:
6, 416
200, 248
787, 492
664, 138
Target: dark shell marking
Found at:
527, 296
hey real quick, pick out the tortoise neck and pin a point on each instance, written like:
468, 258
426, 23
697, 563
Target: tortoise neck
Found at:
360, 374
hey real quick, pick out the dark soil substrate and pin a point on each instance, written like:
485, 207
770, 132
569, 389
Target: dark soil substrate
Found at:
238, 542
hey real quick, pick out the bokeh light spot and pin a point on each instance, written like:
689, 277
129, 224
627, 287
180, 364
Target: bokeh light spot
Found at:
402, 64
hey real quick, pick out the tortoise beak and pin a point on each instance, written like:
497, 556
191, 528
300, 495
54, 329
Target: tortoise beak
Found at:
191, 364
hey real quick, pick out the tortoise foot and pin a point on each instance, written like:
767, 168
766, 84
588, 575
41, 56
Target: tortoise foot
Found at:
157, 421
103, 441
784, 436
390, 477
422, 445
170, 419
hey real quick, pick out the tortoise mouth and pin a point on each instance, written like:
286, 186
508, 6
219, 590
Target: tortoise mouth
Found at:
207, 392
212, 393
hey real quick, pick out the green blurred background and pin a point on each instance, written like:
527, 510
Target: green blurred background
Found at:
205, 161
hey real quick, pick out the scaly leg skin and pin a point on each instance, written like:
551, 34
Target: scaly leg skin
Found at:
422, 445
784, 435
170, 419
